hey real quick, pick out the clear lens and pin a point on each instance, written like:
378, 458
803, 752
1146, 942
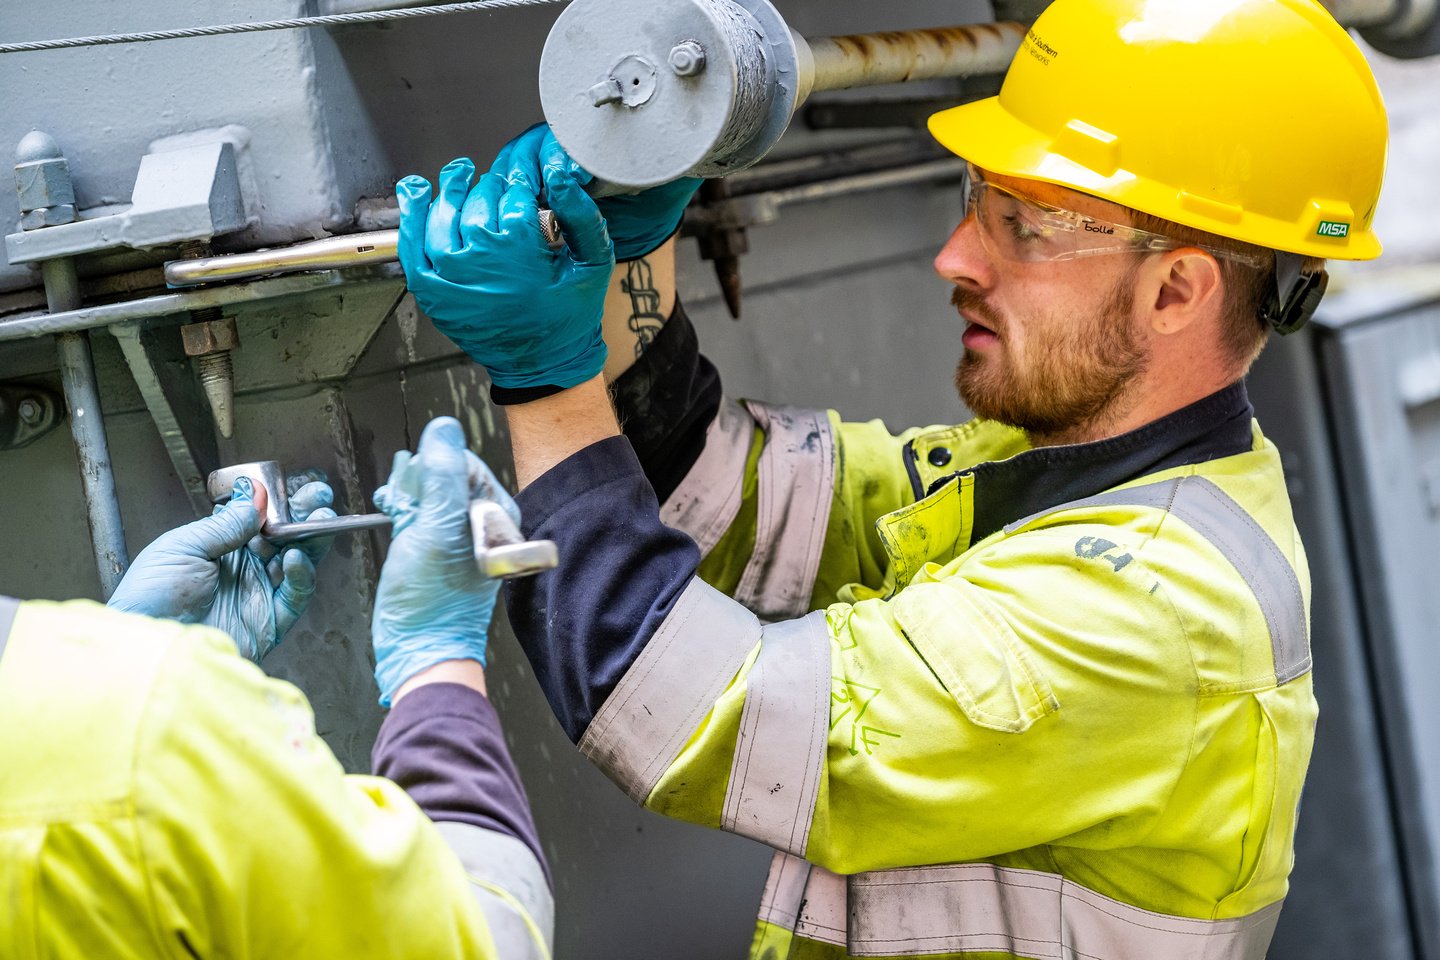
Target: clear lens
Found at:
1017, 228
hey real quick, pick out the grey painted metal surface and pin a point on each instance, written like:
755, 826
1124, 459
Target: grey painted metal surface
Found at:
306, 140
1385, 374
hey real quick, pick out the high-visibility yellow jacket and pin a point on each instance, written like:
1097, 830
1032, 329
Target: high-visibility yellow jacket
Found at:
160, 797
1080, 733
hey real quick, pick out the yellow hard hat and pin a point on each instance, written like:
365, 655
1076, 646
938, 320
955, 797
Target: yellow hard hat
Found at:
1257, 120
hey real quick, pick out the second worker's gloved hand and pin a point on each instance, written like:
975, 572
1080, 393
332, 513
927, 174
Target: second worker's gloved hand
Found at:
433, 604
639, 223
479, 266
219, 572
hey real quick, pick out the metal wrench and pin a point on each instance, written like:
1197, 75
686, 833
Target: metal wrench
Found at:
501, 552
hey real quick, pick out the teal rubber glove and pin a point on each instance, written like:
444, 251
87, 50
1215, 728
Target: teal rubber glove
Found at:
219, 571
433, 604
479, 266
639, 223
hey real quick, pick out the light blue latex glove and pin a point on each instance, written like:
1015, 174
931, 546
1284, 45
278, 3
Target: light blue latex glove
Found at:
638, 222
433, 604
479, 266
219, 571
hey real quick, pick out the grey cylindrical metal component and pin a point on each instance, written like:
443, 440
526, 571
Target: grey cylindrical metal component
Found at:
728, 115
718, 110
87, 426
267, 473
864, 60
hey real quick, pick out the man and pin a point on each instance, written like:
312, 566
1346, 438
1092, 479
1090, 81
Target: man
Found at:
160, 797
1053, 699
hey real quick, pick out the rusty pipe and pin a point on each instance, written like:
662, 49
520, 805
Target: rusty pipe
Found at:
868, 59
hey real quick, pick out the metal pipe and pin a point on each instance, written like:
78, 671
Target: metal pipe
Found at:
1364, 13
87, 426
181, 301
868, 59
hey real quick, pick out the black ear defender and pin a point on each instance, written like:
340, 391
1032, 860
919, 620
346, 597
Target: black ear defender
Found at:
1296, 296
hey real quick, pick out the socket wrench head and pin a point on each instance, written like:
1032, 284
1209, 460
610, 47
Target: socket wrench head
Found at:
265, 472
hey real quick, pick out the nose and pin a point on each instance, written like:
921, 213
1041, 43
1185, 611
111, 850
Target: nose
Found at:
963, 260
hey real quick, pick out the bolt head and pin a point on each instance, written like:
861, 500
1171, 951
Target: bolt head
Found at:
606, 91
687, 59
31, 411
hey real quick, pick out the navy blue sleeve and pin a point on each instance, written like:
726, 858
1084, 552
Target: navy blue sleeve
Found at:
443, 745
665, 403
621, 571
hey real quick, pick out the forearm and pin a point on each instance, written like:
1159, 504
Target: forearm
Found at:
639, 300
547, 431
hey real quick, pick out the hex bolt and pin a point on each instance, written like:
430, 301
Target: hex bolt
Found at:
30, 412
209, 340
606, 91
687, 59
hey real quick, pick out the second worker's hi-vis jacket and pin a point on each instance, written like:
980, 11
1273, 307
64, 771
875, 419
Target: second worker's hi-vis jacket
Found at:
985, 701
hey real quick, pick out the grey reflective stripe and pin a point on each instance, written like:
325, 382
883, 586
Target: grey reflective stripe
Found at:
509, 885
780, 752
980, 907
8, 608
1218, 518
805, 899
796, 487
669, 688
707, 500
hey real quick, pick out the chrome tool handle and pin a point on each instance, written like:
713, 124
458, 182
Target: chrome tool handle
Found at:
332, 253
501, 551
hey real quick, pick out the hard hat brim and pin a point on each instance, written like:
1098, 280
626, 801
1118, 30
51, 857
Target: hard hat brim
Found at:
989, 136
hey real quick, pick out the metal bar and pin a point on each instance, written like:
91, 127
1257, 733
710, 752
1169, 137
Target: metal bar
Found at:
87, 426
863, 60
879, 180
352, 250
297, 530
182, 301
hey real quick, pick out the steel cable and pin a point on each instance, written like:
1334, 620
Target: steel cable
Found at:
330, 20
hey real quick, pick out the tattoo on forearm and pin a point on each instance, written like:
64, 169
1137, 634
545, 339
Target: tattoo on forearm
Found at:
645, 316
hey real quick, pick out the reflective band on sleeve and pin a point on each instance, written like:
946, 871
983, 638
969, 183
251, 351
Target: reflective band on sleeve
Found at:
980, 907
804, 899
669, 688
707, 500
775, 775
509, 886
797, 485
1218, 518
8, 608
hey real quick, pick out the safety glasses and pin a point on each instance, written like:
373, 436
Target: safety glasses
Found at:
1022, 229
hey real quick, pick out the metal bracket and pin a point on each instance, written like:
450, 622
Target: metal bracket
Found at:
190, 193
157, 360
27, 413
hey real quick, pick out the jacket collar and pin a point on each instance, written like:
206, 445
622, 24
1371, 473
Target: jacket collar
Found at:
1036, 480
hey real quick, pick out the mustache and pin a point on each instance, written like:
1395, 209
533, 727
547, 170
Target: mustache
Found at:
972, 303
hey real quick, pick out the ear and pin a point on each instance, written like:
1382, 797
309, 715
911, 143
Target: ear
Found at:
1186, 286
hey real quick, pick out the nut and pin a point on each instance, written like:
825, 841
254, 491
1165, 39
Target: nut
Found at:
687, 59
47, 217
31, 411
44, 183
210, 336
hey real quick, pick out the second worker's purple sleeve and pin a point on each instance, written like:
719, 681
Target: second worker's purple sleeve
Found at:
443, 744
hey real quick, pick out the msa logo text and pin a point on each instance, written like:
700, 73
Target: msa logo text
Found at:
1333, 228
